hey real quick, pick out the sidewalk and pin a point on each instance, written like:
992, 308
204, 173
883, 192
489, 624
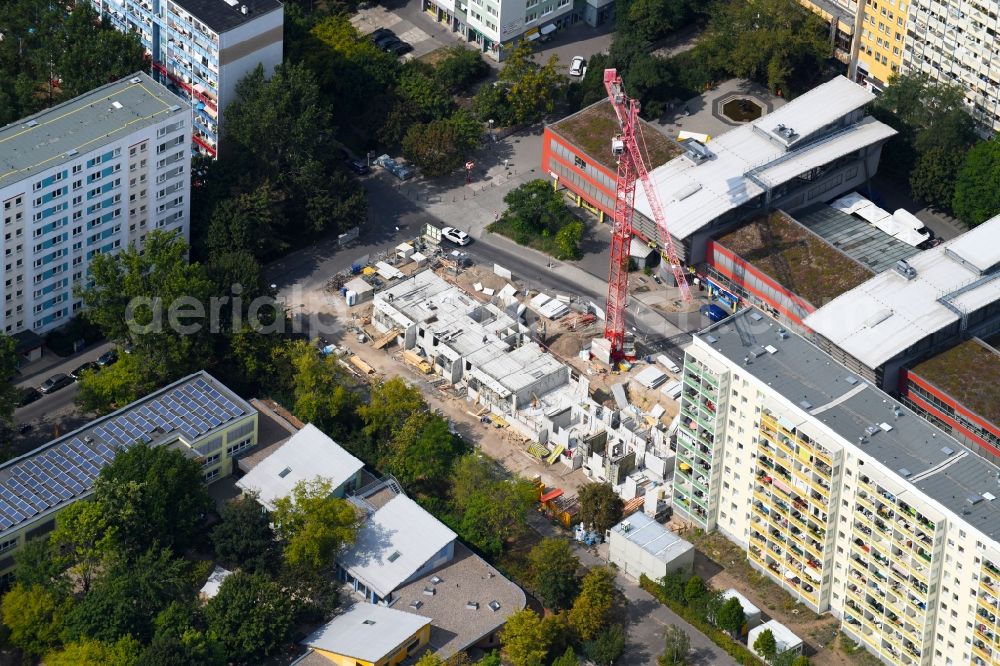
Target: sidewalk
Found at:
49, 364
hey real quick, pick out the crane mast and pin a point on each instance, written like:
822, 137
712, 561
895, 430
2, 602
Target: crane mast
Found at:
631, 167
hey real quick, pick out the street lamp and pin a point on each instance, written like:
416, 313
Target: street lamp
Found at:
492, 139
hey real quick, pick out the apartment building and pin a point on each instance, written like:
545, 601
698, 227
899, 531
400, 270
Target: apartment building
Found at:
87, 177
882, 38
496, 26
841, 495
202, 48
197, 415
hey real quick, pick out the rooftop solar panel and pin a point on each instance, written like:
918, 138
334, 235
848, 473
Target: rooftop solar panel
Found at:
28, 496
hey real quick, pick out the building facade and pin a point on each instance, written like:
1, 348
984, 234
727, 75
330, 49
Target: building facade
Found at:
497, 26
841, 495
196, 415
87, 177
202, 48
882, 39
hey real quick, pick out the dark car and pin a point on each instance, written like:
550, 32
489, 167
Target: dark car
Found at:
55, 382
107, 358
82, 369
386, 38
359, 167
28, 396
713, 312
399, 48
381, 33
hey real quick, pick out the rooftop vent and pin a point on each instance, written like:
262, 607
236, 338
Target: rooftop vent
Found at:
116, 104
369, 622
905, 473
71, 152
805, 404
905, 269
244, 10
989, 496
947, 450
416, 604
429, 591
871, 430
135, 79
851, 379
974, 499
771, 349
878, 318
711, 339
695, 151
175, 107
785, 132
285, 472
472, 605
756, 316
436, 580
783, 334
395, 556
494, 605
885, 426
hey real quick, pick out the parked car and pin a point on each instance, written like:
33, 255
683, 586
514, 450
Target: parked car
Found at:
399, 47
83, 368
713, 312
55, 382
107, 358
387, 41
28, 396
456, 236
399, 170
359, 167
381, 33
577, 66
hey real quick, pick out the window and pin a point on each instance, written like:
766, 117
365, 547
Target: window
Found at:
8, 545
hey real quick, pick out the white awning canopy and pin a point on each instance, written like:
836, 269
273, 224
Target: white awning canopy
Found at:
547, 29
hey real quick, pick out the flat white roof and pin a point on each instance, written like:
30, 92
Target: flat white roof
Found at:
652, 537
749, 609
881, 318
307, 455
393, 544
518, 369
366, 632
211, 587
695, 195
783, 636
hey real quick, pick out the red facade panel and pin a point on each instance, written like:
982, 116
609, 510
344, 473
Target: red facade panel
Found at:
550, 158
908, 376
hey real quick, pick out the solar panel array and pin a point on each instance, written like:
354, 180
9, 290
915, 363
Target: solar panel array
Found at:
60, 473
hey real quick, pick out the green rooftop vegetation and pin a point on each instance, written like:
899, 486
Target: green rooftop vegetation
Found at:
797, 259
592, 128
969, 373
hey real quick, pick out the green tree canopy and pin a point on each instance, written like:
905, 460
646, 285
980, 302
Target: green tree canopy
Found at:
765, 645
9, 394
607, 646
460, 68
525, 640
313, 524
525, 91
115, 386
89, 652
554, 572
423, 451
567, 658
323, 391
592, 611
601, 508
977, 197
731, 616
95, 53
251, 616
34, 616
126, 600
244, 539
439, 147
83, 540
152, 495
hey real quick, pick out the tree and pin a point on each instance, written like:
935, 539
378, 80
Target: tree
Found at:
9, 394
496, 514
244, 538
251, 616
536, 210
607, 646
977, 197
694, 591
790, 658
313, 524
389, 405
440, 146
179, 641
525, 90
765, 645
731, 617
96, 53
554, 569
524, 639
36, 565
568, 240
422, 94
677, 645
132, 295
83, 540
601, 508
933, 177
123, 652
423, 451
115, 386
323, 392
567, 658
460, 68
593, 608
126, 600
775, 42
430, 659
152, 495
34, 616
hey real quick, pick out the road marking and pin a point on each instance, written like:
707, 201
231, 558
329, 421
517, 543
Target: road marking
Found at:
414, 36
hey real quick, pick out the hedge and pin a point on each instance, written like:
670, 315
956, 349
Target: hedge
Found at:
736, 650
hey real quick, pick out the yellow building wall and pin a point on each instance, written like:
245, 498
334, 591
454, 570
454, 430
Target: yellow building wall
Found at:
842, 27
397, 656
883, 34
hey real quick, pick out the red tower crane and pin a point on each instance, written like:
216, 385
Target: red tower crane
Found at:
632, 161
